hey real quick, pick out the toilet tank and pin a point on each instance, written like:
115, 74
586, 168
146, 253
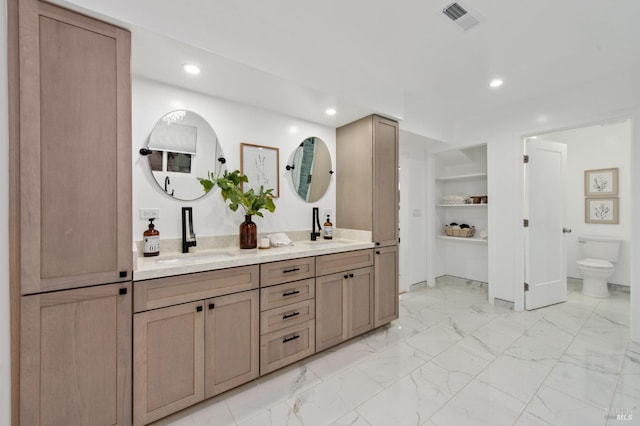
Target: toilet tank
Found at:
599, 247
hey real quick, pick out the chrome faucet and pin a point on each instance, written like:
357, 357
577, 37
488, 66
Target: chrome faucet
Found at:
315, 219
188, 236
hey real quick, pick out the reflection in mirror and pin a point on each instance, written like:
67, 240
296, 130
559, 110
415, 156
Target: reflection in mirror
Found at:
311, 169
181, 147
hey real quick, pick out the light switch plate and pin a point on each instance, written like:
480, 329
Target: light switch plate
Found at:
149, 214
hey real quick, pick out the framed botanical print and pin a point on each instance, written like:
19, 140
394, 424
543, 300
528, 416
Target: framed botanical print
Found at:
601, 182
601, 210
260, 164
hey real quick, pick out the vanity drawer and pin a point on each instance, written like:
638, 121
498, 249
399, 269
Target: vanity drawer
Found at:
161, 292
287, 316
338, 262
285, 294
286, 346
287, 270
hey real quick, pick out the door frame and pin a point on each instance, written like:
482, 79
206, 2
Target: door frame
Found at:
519, 205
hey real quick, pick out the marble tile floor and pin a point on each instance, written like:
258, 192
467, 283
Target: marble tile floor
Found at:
453, 359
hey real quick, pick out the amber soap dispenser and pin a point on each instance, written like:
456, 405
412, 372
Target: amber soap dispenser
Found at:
151, 239
327, 231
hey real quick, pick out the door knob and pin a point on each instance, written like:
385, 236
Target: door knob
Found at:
566, 230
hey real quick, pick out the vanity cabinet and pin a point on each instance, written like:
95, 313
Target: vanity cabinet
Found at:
187, 352
287, 318
345, 299
367, 178
75, 365
73, 129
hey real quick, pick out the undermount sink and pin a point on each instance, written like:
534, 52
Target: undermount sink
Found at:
325, 242
188, 259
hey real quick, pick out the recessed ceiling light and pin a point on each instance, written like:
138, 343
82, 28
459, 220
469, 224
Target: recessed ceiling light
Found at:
496, 82
191, 69
330, 111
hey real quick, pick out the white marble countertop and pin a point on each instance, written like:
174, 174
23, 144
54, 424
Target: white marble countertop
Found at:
208, 259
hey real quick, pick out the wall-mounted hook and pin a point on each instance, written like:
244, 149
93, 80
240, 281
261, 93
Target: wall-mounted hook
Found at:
290, 167
331, 172
222, 160
145, 151
167, 181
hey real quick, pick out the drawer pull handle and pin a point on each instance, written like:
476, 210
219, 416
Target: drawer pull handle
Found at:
346, 276
212, 306
286, 271
290, 293
288, 339
350, 275
291, 315
199, 309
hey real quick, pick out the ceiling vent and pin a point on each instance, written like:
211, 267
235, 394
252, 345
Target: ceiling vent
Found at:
460, 16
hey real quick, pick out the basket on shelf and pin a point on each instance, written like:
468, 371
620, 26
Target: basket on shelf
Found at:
456, 231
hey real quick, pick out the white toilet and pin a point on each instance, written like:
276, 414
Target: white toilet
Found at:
596, 266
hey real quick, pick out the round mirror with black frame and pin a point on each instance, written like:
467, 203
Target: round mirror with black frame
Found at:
310, 168
182, 147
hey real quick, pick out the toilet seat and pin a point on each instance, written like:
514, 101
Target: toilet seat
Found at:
595, 264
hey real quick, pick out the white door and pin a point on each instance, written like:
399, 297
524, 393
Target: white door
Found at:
545, 252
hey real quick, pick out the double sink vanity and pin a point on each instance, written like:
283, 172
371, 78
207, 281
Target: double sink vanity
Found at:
101, 336
206, 322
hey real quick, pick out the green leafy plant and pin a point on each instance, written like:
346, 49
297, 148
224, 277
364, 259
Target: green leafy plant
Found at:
229, 185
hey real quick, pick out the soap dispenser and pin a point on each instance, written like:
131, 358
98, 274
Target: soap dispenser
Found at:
151, 239
327, 231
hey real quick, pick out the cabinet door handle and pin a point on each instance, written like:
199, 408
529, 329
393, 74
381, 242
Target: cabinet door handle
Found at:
123, 291
212, 306
290, 293
288, 339
199, 309
350, 275
377, 251
291, 315
346, 276
286, 271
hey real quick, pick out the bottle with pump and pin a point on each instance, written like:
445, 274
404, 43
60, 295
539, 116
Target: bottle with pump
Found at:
151, 239
327, 231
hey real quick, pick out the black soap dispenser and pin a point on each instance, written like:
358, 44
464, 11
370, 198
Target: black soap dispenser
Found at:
151, 239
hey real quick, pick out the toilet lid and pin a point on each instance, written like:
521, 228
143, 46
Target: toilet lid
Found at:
595, 263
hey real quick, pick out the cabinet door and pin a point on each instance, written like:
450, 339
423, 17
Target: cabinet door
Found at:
386, 285
331, 310
75, 357
354, 173
75, 150
232, 341
168, 361
360, 297
385, 181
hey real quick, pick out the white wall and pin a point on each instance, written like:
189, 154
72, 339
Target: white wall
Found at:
5, 322
413, 221
233, 123
611, 98
597, 147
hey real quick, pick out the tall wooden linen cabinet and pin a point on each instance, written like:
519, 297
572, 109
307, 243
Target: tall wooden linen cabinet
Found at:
367, 199
70, 217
